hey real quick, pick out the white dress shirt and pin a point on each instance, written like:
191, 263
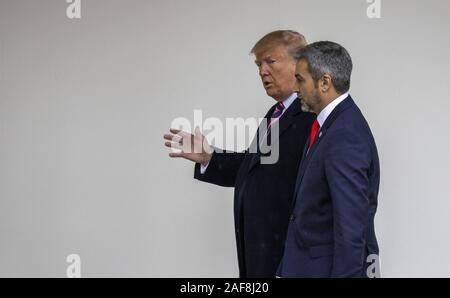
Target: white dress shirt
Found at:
323, 115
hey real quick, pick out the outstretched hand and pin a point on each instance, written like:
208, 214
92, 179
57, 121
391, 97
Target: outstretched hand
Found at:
193, 147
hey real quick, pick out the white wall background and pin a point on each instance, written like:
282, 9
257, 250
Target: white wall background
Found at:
84, 104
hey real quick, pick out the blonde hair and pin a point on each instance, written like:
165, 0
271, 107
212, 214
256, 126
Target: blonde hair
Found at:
292, 40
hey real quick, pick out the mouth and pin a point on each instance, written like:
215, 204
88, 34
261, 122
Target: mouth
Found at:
267, 84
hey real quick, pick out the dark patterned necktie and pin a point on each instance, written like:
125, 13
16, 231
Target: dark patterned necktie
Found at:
279, 108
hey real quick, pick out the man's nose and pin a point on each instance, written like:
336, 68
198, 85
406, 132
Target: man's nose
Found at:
263, 70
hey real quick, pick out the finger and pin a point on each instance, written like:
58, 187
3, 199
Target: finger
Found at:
197, 131
173, 145
168, 137
176, 155
174, 138
206, 147
179, 132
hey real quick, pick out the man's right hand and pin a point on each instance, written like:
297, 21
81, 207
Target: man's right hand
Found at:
193, 147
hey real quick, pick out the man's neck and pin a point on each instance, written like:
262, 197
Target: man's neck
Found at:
285, 97
325, 102
328, 109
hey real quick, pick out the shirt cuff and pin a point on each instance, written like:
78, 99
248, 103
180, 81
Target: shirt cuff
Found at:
203, 168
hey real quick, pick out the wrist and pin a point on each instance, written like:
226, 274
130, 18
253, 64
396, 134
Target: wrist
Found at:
207, 159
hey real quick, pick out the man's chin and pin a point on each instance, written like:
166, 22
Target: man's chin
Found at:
274, 95
270, 94
305, 107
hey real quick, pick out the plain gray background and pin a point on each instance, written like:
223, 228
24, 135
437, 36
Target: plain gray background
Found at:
84, 104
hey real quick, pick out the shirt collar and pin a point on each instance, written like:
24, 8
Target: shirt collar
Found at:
288, 101
323, 115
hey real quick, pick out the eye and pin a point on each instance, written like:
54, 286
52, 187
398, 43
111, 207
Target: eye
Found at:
271, 61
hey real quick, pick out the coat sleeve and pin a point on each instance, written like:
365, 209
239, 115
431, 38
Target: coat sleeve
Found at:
222, 169
347, 165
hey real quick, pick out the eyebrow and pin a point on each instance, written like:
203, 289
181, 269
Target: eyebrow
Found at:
265, 58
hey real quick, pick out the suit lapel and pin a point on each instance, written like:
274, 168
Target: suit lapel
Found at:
307, 155
284, 123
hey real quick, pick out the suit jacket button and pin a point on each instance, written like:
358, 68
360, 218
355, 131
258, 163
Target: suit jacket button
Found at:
292, 217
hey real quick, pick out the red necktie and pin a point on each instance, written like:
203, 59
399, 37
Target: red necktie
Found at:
314, 130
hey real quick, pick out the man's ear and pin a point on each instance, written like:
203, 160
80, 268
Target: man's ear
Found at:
325, 83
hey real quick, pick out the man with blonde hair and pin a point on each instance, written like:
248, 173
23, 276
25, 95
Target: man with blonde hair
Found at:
263, 192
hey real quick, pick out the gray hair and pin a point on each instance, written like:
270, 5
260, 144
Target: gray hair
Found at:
327, 57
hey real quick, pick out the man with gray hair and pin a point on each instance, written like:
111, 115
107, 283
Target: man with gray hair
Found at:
262, 192
331, 230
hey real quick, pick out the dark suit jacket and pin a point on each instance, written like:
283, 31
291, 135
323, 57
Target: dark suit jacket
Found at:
263, 193
331, 231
